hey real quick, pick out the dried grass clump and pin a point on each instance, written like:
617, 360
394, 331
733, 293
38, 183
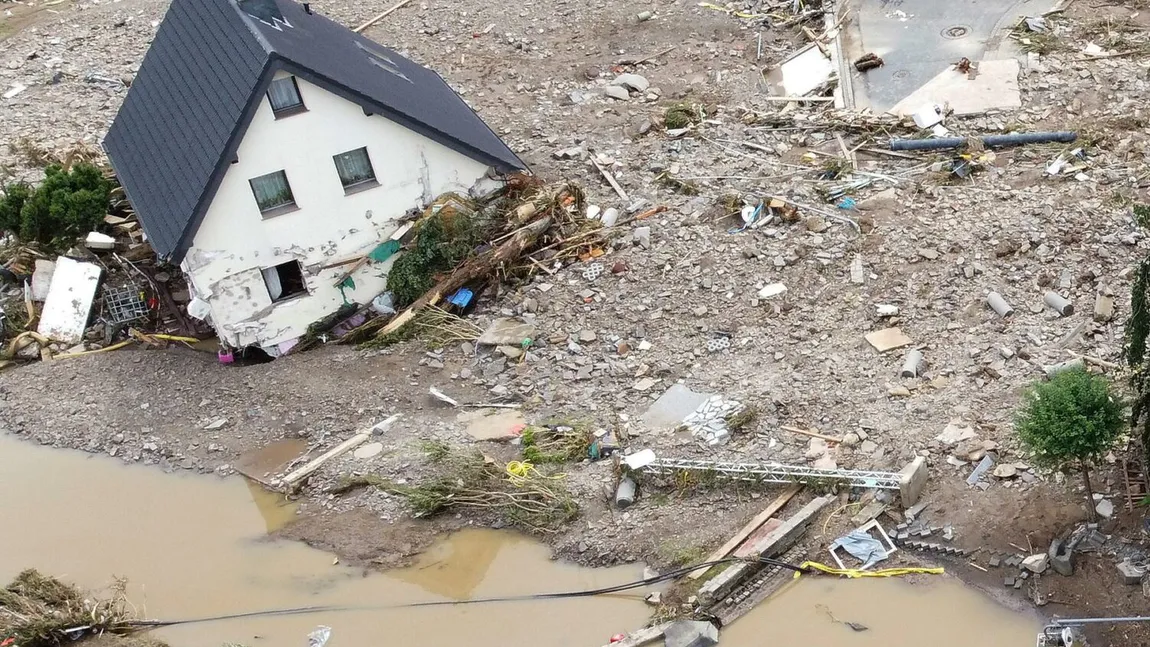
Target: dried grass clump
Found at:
37, 610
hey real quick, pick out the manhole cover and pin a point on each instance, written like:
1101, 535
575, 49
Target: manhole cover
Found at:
958, 31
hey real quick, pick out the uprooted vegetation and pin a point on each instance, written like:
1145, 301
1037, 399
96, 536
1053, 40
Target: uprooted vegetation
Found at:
37, 610
558, 443
519, 494
68, 204
461, 245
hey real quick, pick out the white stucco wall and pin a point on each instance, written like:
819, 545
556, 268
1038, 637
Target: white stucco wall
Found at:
235, 241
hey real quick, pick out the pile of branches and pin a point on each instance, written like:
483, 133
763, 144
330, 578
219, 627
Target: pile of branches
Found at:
529, 499
519, 231
556, 443
37, 610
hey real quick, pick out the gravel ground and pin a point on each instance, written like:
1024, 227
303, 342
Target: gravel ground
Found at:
930, 245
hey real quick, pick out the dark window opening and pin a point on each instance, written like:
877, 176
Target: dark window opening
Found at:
284, 97
285, 281
272, 193
354, 168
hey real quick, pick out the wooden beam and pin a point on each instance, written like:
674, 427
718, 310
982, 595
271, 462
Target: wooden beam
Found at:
385, 14
812, 434
752, 526
288, 483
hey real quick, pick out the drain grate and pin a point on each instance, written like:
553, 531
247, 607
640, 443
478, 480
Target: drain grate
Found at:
957, 31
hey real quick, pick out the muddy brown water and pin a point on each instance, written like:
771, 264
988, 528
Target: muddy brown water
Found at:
195, 546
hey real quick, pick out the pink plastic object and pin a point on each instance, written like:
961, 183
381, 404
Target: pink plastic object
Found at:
225, 356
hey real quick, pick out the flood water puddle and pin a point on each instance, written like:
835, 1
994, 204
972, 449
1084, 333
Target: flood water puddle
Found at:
195, 546
934, 610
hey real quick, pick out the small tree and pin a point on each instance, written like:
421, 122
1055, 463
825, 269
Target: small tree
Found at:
1071, 421
15, 195
67, 205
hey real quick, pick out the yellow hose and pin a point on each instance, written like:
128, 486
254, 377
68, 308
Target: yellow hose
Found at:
98, 350
882, 572
19, 341
519, 471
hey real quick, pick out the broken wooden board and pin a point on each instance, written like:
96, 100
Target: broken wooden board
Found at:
290, 481
753, 525
888, 339
69, 302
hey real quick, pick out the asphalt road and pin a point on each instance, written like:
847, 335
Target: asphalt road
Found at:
918, 40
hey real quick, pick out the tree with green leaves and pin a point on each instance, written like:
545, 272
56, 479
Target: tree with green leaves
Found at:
65, 206
1138, 339
1070, 421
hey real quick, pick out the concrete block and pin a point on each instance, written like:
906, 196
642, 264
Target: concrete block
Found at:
1131, 574
912, 479
771, 545
1103, 308
691, 633
672, 407
1061, 558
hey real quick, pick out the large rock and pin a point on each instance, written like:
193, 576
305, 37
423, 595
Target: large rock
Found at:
633, 81
691, 633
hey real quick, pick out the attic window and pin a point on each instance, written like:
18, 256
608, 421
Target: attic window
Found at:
273, 194
285, 281
285, 98
380, 59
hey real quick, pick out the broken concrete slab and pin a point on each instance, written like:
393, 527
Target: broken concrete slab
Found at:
956, 432
1036, 563
42, 279
771, 545
506, 331
1131, 574
492, 424
806, 70
96, 240
995, 87
912, 479
69, 301
691, 633
636, 82
673, 407
887, 339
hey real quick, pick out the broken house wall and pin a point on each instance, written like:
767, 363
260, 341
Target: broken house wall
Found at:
235, 242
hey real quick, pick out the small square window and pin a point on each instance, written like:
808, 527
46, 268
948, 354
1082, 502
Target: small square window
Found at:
285, 281
284, 97
354, 168
272, 192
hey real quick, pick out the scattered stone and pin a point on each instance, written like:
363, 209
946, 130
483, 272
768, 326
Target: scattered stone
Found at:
634, 82
1005, 471
772, 290
369, 450
1036, 563
887, 339
645, 384
1104, 508
586, 336
617, 92
510, 352
654, 599
1103, 308
956, 432
216, 424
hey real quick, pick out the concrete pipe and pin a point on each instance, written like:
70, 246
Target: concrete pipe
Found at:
999, 305
1075, 364
1058, 304
913, 365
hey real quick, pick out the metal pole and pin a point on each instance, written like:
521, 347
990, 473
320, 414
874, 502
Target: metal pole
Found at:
988, 140
1095, 621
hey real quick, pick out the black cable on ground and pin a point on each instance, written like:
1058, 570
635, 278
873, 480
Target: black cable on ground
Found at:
511, 598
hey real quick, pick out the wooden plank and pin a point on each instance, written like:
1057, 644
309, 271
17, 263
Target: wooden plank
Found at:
289, 482
385, 14
741, 536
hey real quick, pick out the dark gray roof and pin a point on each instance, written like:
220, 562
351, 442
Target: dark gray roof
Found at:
204, 76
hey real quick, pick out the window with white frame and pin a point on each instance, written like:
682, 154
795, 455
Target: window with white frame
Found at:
284, 97
354, 168
273, 193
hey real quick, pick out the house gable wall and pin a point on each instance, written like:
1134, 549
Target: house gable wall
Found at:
235, 241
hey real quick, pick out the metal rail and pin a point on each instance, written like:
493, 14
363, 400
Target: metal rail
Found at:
776, 473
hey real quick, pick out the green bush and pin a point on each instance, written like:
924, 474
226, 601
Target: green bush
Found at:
66, 206
15, 195
440, 245
1071, 421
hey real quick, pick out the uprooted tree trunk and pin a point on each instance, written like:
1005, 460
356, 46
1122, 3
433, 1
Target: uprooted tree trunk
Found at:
1091, 513
473, 268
